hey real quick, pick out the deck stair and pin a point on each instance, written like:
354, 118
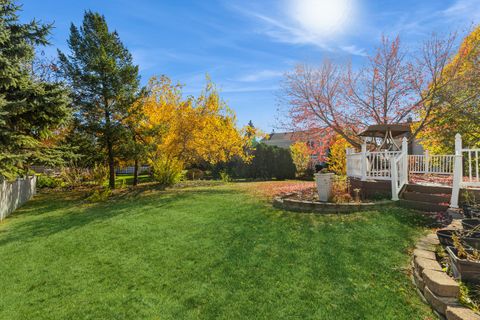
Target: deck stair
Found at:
425, 198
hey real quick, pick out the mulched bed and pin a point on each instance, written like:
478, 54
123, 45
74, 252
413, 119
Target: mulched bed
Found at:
307, 194
469, 293
431, 179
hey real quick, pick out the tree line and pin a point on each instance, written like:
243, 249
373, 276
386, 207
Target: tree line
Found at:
87, 107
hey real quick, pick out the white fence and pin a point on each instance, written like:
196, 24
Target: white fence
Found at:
130, 170
370, 164
14, 194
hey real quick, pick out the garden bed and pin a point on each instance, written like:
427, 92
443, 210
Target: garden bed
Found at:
432, 274
306, 200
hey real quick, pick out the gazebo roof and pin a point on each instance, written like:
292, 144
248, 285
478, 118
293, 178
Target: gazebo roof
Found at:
380, 130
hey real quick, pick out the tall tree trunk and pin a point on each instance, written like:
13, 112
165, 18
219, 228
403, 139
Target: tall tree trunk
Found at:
111, 165
108, 134
135, 173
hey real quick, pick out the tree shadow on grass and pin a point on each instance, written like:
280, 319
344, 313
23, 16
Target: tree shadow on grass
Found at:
39, 218
411, 218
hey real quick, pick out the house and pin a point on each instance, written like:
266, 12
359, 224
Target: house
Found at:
286, 139
280, 139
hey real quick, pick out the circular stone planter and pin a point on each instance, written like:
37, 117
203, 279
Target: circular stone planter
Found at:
325, 207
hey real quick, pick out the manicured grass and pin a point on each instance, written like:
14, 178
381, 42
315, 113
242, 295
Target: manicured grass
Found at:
127, 179
203, 253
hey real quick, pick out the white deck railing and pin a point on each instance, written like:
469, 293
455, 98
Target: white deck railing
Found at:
471, 167
399, 170
435, 164
466, 169
396, 166
379, 164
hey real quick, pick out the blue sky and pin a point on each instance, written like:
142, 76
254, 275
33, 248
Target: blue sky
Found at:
246, 46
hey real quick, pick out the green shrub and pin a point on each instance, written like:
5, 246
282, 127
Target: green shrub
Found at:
44, 181
167, 171
195, 174
74, 176
100, 195
225, 177
99, 174
340, 190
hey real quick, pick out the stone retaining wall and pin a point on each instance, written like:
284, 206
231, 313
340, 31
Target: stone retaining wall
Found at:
326, 207
435, 286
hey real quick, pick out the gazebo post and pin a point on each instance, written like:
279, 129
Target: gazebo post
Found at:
364, 159
405, 155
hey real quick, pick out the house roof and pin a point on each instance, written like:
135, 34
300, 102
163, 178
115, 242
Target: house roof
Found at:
280, 136
379, 130
283, 139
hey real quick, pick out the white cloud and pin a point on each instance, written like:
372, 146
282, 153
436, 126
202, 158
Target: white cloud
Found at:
354, 50
242, 89
260, 76
464, 9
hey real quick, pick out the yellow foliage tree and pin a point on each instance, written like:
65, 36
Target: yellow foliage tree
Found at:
300, 156
337, 158
458, 111
182, 131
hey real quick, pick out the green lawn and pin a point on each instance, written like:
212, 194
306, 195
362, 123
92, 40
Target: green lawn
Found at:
127, 179
203, 253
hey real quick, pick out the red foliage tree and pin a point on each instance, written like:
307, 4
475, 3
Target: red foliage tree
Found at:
393, 85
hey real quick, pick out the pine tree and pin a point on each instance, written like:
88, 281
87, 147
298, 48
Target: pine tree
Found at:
104, 82
30, 109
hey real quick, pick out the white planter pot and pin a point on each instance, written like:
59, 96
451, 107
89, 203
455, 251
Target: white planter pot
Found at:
324, 185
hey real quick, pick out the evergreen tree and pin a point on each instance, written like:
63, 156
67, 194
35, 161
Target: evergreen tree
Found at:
104, 82
31, 109
284, 168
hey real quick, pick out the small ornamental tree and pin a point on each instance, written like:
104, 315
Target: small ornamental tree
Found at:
337, 158
32, 110
300, 156
104, 83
